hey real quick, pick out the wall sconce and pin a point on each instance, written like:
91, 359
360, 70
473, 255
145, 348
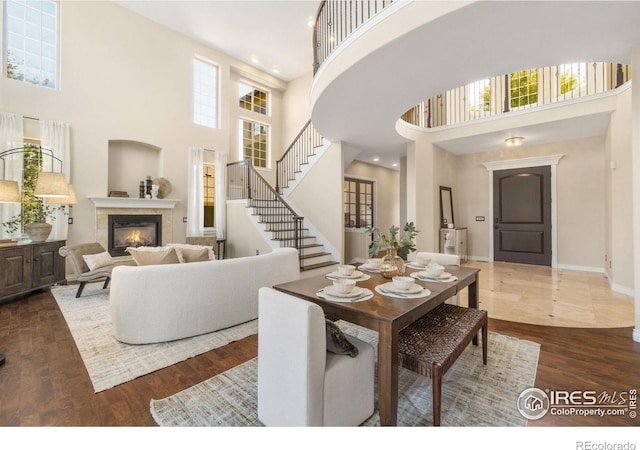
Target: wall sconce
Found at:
514, 141
49, 184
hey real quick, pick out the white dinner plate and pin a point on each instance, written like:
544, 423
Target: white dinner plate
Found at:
333, 291
336, 274
415, 289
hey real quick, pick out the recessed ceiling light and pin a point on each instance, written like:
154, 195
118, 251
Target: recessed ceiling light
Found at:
395, 164
376, 159
275, 70
311, 23
514, 141
255, 60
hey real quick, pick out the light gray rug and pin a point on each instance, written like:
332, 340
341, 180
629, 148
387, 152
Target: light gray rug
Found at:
472, 394
110, 362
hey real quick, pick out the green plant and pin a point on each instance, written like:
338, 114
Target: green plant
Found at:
405, 245
33, 208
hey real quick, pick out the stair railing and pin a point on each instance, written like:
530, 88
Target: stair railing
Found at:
245, 182
298, 153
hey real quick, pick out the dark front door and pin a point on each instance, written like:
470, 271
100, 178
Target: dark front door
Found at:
522, 215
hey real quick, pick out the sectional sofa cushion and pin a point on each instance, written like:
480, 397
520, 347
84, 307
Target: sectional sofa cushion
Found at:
193, 253
148, 256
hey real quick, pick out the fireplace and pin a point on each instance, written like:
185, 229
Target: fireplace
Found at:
129, 230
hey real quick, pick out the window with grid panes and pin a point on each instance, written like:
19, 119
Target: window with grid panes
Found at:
524, 88
253, 99
209, 184
254, 140
31, 41
205, 93
358, 203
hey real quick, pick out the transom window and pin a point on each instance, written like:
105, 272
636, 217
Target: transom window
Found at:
524, 88
31, 41
358, 203
205, 93
253, 99
254, 142
209, 184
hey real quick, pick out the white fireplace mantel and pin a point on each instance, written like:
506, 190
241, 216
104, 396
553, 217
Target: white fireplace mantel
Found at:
137, 203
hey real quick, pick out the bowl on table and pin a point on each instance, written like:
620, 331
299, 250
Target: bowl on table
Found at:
422, 261
434, 270
403, 283
344, 286
374, 263
346, 270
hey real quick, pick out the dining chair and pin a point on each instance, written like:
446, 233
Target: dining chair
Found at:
300, 383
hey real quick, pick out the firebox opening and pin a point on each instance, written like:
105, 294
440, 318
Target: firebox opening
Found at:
133, 231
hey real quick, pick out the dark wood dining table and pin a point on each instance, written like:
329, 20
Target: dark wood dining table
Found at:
387, 316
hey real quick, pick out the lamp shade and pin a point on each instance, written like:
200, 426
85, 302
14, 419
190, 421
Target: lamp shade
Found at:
9, 192
51, 184
70, 200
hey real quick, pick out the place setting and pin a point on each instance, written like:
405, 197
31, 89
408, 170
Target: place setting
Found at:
420, 263
344, 290
402, 287
372, 265
434, 273
347, 272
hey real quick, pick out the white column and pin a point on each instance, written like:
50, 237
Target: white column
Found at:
635, 158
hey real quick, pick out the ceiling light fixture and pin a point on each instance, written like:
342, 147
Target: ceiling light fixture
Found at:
376, 159
514, 141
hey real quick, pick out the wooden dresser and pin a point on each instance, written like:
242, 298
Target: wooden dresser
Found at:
28, 266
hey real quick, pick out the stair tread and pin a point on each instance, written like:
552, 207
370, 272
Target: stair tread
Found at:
319, 265
293, 239
314, 255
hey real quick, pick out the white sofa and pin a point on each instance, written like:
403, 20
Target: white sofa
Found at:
160, 303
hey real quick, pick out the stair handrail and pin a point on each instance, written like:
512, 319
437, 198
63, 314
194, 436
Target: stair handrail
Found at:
336, 20
254, 181
298, 153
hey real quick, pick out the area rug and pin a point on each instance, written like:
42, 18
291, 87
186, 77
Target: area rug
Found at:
110, 362
472, 394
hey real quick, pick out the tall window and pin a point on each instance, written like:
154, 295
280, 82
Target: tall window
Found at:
254, 142
524, 88
253, 99
205, 93
31, 41
209, 183
358, 203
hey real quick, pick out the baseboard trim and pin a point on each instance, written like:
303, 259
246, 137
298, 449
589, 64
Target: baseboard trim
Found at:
478, 258
581, 268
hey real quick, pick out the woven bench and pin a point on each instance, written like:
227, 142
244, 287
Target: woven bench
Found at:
431, 345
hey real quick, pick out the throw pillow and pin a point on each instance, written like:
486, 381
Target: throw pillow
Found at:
97, 260
192, 253
337, 342
147, 256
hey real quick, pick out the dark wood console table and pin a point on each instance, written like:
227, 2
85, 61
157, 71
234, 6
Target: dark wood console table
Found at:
27, 266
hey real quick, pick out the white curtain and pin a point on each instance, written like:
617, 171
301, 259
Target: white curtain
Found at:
55, 136
11, 136
221, 195
195, 205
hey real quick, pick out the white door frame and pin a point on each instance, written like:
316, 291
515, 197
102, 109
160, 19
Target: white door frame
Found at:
523, 163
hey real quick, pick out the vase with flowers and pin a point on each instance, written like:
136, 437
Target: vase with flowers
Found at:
392, 263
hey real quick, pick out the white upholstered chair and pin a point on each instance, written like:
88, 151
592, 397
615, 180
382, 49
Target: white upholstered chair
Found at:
444, 260
299, 382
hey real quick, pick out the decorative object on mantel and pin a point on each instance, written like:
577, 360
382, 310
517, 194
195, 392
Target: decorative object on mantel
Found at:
142, 189
164, 187
154, 190
122, 194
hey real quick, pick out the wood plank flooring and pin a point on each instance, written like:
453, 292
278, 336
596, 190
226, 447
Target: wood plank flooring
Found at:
44, 381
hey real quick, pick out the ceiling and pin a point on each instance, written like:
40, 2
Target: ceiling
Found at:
269, 35
266, 34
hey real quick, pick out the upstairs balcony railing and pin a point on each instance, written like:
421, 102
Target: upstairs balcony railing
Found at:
336, 20
517, 91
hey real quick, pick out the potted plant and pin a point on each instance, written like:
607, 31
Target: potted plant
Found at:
397, 248
32, 218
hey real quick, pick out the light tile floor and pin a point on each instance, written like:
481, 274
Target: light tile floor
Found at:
541, 295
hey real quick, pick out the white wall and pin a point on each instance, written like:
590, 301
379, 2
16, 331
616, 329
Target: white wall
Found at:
126, 78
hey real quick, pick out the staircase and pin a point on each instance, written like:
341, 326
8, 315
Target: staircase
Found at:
277, 219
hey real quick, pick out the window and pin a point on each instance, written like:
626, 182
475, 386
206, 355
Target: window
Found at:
254, 140
253, 99
358, 203
209, 183
31, 41
524, 88
205, 93
479, 97
572, 79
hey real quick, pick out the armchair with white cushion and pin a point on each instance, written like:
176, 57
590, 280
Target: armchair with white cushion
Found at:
299, 382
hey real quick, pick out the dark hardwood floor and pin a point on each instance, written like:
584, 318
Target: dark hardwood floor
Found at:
44, 381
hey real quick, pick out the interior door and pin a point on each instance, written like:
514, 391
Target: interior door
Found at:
522, 215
